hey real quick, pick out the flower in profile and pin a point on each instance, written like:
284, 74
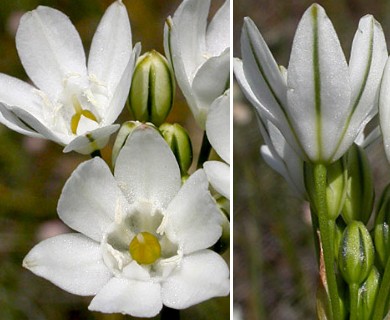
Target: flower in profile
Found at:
321, 103
218, 133
199, 54
142, 238
72, 104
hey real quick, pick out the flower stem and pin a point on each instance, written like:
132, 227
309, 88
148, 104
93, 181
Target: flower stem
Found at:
169, 314
353, 292
96, 153
327, 227
204, 151
383, 294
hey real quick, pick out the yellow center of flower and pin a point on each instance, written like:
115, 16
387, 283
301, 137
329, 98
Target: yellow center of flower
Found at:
145, 248
79, 111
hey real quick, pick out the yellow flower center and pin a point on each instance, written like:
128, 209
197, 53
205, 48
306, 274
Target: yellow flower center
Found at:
145, 248
79, 111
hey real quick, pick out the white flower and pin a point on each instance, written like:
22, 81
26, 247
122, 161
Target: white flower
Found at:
71, 104
143, 238
199, 53
218, 133
322, 103
384, 109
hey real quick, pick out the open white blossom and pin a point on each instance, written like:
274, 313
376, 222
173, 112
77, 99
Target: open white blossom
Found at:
322, 103
71, 104
199, 53
143, 237
218, 133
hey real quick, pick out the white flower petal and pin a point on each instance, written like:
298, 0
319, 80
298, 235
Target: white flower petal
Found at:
14, 123
318, 85
262, 72
189, 33
192, 219
218, 174
49, 48
122, 89
201, 276
15, 92
147, 169
136, 298
209, 83
368, 58
39, 126
218, 31
172, 52
92, 141
384, 109
71, 261
111, 46
218, 126
90, 198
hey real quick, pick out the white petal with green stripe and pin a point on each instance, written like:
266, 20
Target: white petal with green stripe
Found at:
318, 85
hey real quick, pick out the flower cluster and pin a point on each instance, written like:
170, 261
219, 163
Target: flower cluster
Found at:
147, 228
313, 117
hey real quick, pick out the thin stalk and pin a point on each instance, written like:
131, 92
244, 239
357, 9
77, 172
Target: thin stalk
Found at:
353, 292
314, 224
169, 314
96, 153
204, 151
327, 231
383, 294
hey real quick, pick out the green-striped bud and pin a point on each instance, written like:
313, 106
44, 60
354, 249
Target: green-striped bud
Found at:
382, 230
180, 143
356, 255
360, 188
152, 89
223, 242
367, 295
338, 235
126, 129
336, 181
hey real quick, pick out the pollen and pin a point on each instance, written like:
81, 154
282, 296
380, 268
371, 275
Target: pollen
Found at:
145, 248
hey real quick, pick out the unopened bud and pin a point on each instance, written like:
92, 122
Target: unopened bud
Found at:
336, 181
152, 89
360, 188
180, 143
356, 255
382, 230
367, 295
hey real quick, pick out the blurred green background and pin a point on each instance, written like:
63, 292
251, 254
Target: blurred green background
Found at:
275, 272
33, 171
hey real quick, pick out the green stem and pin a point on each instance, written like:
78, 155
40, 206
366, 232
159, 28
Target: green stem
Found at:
169, 314
353, 292
314, 224
327, 233
96, 153
204, 151
383, 294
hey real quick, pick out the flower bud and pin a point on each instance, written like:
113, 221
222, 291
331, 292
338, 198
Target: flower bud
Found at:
335, 190
381, 230
180, 143
360, 188
337, 237
367, 295
126, 129
356, 254
223, 242
152, 89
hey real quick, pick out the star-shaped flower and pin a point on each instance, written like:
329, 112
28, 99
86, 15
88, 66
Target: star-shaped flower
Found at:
143, 237
71, 103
